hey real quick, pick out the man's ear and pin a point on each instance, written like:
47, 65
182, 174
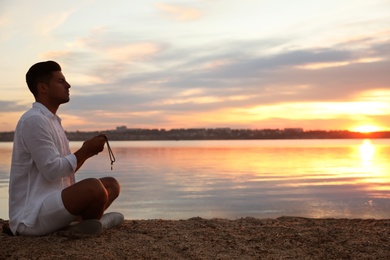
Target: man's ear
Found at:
42, 88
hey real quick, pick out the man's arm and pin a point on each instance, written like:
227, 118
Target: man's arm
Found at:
89, 148
38, 139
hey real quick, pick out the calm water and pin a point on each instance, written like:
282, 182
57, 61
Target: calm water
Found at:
232, 179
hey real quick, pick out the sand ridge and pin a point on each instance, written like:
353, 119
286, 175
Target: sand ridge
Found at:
198, 238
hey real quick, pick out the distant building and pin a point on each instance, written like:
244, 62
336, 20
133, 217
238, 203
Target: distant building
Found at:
223, 128
121, 128
293, 130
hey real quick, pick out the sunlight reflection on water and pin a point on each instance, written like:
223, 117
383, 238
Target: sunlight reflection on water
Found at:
231, 179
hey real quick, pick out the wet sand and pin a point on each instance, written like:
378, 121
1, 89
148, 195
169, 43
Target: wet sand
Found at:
197, 238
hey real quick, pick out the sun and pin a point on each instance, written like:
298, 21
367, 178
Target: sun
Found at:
366, 128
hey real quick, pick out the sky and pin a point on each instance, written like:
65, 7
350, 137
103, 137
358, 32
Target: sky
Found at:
316, 65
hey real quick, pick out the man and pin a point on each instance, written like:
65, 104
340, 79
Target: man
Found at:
43, 194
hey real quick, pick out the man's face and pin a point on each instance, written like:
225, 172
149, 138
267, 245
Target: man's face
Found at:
58, 88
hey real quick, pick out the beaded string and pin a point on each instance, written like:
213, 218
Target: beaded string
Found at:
112, 157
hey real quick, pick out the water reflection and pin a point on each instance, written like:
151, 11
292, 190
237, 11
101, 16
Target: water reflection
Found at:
270, 178
375, 169
367, 152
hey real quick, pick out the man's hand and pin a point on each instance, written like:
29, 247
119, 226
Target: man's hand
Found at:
90, 148
94, 145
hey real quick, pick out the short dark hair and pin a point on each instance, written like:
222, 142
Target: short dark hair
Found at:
40, 72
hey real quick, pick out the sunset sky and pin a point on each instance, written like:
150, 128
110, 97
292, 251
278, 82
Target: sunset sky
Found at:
203, 63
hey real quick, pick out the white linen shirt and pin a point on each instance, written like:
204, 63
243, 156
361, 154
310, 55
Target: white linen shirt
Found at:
42, 163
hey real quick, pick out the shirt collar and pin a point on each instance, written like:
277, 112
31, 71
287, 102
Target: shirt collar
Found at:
45, 111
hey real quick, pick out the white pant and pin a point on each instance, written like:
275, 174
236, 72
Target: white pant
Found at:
52, 216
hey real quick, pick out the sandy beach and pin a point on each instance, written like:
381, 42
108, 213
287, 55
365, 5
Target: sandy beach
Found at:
197, 238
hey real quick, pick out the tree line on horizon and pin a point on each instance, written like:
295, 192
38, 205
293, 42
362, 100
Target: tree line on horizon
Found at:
123, 133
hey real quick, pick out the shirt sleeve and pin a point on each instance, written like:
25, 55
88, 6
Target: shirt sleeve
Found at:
72, 161
37, 135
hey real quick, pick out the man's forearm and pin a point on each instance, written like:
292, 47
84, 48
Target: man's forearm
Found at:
81, 156
89, 148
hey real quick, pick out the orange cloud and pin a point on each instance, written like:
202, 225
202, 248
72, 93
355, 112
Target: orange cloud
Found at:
4, 21
217, 63
179, 12
314, 66
133, 51
375, 95
53, 55
9, 120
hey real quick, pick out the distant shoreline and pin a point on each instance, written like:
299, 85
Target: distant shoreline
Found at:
125, 134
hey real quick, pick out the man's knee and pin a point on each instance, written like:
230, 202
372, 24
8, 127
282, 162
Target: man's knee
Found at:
96, 189
84, 194
112, 186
